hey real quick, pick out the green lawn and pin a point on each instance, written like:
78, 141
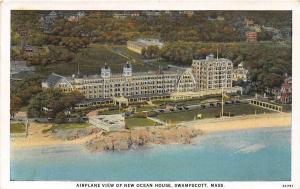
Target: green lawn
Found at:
146, 108
249, 45
138, 122
95, 57
123, 49
285, 107
190, 101
137, 60
17, 128
91, 63
240, 109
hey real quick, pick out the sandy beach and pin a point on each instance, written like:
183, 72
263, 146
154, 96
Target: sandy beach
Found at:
244, 122
36, 138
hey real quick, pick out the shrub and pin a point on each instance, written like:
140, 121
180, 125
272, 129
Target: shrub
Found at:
139, 115
60, 118
152, 114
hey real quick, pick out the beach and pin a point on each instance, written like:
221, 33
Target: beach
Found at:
271, 120
36, 138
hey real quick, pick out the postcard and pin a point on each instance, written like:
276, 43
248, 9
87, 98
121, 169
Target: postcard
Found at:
150, 95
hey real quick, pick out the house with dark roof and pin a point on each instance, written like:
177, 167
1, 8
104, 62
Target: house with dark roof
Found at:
29, 51
284, 93
53, 80
46, 21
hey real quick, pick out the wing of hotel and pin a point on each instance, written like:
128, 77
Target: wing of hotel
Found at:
205, 77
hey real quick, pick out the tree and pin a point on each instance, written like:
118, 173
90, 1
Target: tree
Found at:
15, 55
51, 102
264, 36
38, 39
15, 104
60, 118
23, 91
151, 52
36, 105
69, 100
272, 80
15, 39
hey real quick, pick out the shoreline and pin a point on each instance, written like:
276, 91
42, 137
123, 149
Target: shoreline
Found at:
206, 126
271, 120
36, 138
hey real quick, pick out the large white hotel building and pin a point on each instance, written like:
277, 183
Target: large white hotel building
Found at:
210, 74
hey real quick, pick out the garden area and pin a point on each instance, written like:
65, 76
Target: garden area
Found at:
234, 110
17, 128
132, 122
92, 58
67, 126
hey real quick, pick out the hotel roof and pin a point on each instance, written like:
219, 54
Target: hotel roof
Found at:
53, 79
148, 42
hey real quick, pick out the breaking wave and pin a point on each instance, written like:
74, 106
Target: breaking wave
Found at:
251, 149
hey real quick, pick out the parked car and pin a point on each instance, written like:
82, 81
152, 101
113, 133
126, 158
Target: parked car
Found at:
185, 108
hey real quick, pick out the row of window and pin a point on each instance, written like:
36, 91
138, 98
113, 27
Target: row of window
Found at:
219, 77
218, 86
108, 95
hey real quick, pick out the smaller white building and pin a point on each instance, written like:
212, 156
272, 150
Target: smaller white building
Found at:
240, 73
140, 44
113, 122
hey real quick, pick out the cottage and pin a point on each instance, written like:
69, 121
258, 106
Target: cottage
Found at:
251, 36
29, 51
284, 93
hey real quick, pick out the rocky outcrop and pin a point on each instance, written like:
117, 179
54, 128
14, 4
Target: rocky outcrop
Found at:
134, 139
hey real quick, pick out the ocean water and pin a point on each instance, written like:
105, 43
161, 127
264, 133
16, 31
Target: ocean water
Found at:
248, 155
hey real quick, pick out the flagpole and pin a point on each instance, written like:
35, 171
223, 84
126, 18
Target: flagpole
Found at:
222, 103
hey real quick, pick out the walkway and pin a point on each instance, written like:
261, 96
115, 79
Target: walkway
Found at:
157, 120
266, 105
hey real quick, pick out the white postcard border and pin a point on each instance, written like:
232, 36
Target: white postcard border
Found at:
143, 5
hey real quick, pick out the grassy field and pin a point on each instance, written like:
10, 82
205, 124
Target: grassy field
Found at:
123, 50
146, 108
189, 101
138, 122
287, 107
17, 128
138, 58
90, 63
94, 57
249, 45
240, 109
